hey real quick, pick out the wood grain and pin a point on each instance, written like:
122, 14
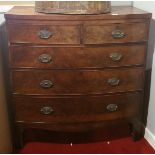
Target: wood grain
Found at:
117, 12
75, 109
134, 32
29, 34
76, 82
76, 57
79, 70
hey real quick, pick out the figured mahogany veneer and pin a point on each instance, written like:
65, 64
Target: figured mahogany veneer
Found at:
93, 34
77, 72
75, 109
30, 34
77, 57
73, 82
133, 32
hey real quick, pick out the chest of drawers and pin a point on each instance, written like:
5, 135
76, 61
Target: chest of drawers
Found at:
78, 72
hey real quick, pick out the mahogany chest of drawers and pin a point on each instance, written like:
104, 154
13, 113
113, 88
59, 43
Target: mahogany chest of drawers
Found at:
77, 72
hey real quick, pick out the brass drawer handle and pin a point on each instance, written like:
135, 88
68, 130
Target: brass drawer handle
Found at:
46, 84
118, 34
45, 34
113, 81
46, 110
45, 58
112, 107
116, 56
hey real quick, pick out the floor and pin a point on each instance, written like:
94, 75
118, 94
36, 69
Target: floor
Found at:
112, 140
121, 146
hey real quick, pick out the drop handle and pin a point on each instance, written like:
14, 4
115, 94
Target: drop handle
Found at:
45, 58
45, 34
115, 56
118, 34
46, 110
46, 84
112, 107
113, 81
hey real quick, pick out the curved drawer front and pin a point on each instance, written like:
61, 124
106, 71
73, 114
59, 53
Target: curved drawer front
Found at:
57, 82
115, 33
69, 57
76, 109
44, 34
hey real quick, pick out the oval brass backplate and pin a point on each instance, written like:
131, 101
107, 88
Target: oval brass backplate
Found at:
45, 58
113, 81
115, 56
46, 84
46, 110
112, 107
45, 34
118, 34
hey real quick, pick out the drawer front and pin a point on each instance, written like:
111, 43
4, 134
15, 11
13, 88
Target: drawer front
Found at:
58, 82
115, 33
42, 34
68, 57
76, 109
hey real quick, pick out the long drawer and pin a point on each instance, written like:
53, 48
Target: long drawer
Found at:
115, 33
76, 109
44, 34
62, 82
76, 57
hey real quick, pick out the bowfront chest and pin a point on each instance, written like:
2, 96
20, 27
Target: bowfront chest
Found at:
78, 72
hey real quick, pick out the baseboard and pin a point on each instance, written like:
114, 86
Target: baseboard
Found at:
150, 137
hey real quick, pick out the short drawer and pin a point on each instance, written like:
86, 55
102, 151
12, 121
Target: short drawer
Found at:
69, 57
75, 82
76, 109
44, 34
115, 33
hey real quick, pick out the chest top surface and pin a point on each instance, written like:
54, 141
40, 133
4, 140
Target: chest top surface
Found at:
117, 12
